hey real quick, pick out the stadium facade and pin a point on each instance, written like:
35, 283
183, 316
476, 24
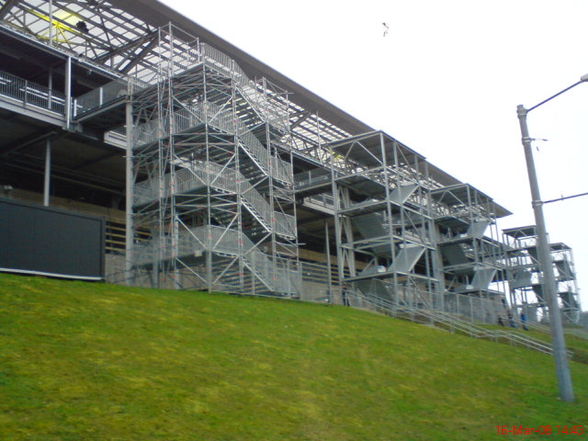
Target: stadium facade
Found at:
213, 171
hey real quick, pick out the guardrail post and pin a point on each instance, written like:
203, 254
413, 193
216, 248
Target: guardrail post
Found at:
26, 92
129, 184
68, 103
50, 89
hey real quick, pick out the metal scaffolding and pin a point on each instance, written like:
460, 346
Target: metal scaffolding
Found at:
211, 175
382, 217
404, 230
237, 179
471, 250
473, 255
526, 279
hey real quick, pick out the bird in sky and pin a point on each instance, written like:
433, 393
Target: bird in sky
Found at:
386, 28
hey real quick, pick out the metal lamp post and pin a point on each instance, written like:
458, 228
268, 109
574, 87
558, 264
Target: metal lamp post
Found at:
564, 378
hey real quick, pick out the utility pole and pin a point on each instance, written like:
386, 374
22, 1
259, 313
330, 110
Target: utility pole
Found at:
564, 377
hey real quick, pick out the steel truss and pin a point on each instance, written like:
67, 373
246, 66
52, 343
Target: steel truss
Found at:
525, 276
383, 218
212, 175
469, 242
210, 159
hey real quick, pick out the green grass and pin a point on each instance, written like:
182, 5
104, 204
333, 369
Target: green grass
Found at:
574, 340
82, 361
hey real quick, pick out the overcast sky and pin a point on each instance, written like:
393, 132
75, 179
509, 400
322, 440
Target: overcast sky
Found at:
445, 81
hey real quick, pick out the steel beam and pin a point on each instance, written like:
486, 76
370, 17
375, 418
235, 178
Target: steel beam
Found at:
5, 9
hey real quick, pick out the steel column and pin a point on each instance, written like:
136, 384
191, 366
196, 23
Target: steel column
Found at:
47, 180
129, 187
68, 107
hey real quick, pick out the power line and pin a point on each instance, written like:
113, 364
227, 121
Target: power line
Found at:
563, 198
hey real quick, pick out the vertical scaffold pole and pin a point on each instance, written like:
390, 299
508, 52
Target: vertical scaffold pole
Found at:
68, 93
129, 231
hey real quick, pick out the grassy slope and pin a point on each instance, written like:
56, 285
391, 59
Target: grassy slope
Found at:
577, 344
98, 362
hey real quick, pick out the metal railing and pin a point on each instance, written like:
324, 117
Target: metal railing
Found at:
272, 113
33, 94
446, 321
107, 94
227, 179
285, 224
99, 97
281, 275
281, 170
221, 119
257, 151
476, 309
469, 308
311, 177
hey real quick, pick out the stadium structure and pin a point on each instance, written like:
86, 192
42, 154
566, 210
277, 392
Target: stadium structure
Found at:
214, 171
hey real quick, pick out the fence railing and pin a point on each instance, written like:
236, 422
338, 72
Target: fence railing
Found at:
445, 320
312, 177
99, 97
221, 119
467, 307
201, 174
279, 275
29, 93
271, 112
285, 224
106, 94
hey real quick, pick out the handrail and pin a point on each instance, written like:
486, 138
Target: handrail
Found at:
183, 119
219, 60
454, 323
31, 93
106, 94
103, 95
218, 118
278, 277
225, 179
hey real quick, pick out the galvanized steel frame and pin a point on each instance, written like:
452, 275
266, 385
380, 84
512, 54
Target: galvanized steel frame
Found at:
220, 132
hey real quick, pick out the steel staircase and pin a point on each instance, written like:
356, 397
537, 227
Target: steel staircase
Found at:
189, 117
276, 116
276, 277
227, 180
